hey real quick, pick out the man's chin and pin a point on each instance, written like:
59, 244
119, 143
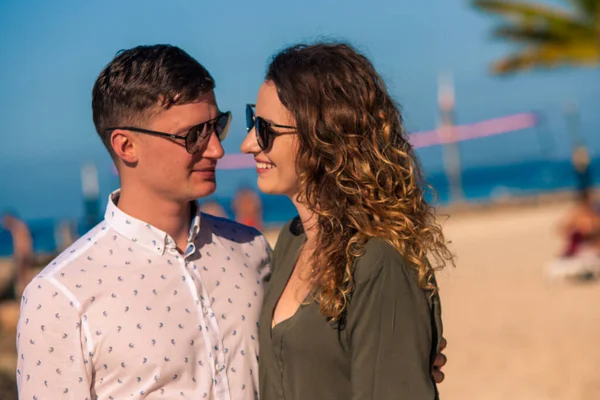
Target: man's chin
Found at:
205, 189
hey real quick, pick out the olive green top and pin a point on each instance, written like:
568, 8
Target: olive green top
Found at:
383, 350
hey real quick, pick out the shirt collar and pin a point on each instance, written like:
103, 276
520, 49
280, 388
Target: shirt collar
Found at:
143, 233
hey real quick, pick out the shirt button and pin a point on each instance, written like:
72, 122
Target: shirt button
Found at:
205, 310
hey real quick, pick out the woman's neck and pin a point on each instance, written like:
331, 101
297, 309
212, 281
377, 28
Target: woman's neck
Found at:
309, 221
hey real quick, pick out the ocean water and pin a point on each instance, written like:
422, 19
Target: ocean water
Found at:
479, 185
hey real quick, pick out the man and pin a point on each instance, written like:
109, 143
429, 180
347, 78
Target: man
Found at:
158, 300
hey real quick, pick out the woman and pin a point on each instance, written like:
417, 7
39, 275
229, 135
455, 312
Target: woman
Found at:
352, 310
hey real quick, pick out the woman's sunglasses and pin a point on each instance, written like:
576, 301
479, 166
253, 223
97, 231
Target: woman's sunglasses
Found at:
263, 129
197, 137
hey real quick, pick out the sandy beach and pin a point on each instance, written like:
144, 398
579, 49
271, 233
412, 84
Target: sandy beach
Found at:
512, 333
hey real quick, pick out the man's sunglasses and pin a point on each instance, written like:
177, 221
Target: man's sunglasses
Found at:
263, 129
197, 137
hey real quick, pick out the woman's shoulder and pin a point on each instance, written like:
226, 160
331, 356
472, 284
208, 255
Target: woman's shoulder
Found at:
384, 269
380, 258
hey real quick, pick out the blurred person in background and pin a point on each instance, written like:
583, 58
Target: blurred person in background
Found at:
23, 257
247, 207
352, 310
580, 231
581, 162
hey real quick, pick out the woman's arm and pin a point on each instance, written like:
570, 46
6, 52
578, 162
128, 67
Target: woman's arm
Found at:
391, 333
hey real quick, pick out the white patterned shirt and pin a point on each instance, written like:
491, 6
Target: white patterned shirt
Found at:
122, 315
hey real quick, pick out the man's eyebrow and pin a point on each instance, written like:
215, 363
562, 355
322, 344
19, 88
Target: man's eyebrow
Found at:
186, 128
183, 130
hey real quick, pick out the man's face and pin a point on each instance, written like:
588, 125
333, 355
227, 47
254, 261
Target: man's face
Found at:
163, 166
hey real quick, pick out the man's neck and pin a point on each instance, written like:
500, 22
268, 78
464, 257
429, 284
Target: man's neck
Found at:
170, 216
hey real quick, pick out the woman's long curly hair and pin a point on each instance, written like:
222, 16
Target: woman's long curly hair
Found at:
357, 171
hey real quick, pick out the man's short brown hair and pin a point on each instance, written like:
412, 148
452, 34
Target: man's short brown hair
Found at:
144, 80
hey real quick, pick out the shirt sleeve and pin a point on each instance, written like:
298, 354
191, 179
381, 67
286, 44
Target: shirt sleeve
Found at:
52, 362
391, 334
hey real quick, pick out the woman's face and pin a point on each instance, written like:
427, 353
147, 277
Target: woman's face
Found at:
276, 165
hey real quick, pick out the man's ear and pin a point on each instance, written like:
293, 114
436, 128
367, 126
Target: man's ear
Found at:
124, 144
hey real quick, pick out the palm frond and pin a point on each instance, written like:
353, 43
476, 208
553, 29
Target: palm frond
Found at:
523, 10
548, 57
528, 35
590, 8
547, 36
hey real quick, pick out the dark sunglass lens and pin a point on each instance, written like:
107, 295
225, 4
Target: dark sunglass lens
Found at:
222, 125
249, 117
195, 138
262, 133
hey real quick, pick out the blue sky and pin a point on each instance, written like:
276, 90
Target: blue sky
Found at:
52, 51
